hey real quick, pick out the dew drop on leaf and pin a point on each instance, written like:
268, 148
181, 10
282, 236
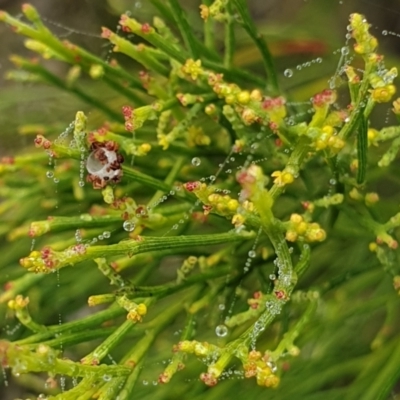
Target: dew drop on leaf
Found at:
128, 226
221, 330
344, 50
196, 161
288, 73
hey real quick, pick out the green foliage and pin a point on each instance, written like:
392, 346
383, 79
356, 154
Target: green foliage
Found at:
210, 219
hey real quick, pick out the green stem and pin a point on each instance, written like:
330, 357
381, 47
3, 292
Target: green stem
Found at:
45, 360
169, 180
89, 322
60, 224
65, 340
133, 247
169, 288
386, 378
249, 26
209, 30
358, 110
105, 348
184, 28
229, 39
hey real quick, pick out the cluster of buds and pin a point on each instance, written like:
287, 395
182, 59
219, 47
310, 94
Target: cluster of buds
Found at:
275, 107
324, 98
200, 349
240, 217
186, 268
192, 68
18, 303
135, 118
369, 198
136, 312
261, 368
197, 137
47, 260
298, 228
40, 261
326, 137
256, 301
321, 103
382, 238
252, 107
39, 228
131, 25
382, 86
128, 208
166, 376
41, 141
251, 180
365, 42
217, 10
282, 178
104, 164
222, 204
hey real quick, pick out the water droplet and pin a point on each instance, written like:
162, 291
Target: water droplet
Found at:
145, 382
56, 180
101, 237
221, 307
106, 234
288, 73
319, 60
196, 161
128, 226
212, 178
272, 366
50, 174
272, 277
384, 33
106, 378
81, 183
221, 330
344, 50
252, 254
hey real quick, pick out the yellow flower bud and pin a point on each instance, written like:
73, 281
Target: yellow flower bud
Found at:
296, 218
373, 246
243, 97
256, 95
